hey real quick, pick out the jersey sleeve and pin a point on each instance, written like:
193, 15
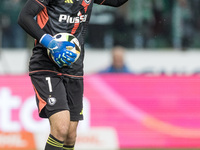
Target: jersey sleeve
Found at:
27, 15
114, 3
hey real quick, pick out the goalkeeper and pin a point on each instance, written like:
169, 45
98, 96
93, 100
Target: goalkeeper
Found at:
58, 88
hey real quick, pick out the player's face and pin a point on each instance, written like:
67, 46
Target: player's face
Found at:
118, 58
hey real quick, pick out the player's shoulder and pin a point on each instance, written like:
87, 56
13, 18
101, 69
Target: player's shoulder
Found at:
98, 1
43, 2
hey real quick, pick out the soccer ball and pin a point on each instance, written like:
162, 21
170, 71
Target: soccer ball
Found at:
61, 37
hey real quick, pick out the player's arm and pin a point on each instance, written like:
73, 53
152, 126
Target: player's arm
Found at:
26, 18
114, 3
28, 23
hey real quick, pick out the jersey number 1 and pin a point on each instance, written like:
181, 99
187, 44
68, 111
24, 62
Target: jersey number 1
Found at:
49, 84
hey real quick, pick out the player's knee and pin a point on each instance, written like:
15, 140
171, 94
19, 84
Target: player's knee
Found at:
60, 132
72, 136
70, 139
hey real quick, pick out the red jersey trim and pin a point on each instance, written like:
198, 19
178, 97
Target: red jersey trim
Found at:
39, 3
76, 25
42, 18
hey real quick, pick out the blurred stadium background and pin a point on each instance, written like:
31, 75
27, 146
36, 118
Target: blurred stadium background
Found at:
155, 107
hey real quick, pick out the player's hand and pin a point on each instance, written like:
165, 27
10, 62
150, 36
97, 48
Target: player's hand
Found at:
59, 50
62, 55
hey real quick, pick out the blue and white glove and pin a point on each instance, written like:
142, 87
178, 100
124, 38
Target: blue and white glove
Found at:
58, 50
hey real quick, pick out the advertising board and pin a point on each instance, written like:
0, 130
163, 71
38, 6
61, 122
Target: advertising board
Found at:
121, 111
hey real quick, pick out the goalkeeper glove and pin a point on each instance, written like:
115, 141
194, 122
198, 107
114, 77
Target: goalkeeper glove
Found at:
59, 50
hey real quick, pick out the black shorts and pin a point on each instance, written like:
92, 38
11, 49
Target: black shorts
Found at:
55, 93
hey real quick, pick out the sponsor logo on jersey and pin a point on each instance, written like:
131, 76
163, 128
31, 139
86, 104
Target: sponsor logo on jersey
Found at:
69, 19
51, 101
69, 1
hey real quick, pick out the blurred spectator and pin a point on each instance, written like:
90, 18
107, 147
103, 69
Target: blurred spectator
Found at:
150, 24
195, 16
139, 24
181, 24
12, 34
100, 26
140, 16
118, 65
161, 28
120, 28
120, 31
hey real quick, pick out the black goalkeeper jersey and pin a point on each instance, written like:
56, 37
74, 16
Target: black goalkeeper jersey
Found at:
71, 16
55, 16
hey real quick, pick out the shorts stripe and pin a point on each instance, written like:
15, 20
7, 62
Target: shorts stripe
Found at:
42, 103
